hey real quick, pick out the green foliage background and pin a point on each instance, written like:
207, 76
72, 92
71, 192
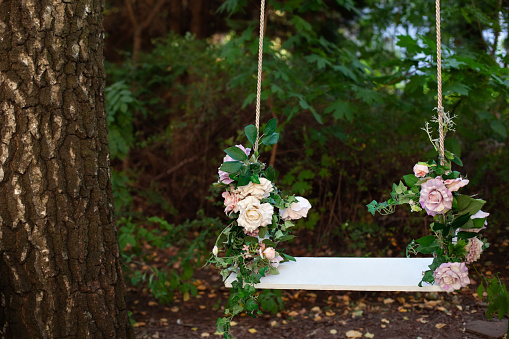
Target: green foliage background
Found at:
351, 84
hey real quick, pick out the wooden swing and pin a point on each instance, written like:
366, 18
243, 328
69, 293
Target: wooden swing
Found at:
351, 274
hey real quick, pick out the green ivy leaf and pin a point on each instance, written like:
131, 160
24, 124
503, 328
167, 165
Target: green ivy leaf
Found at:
410, 179
426, 240
236, 153
231, 166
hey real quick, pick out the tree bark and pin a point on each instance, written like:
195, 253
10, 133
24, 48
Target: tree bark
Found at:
60, 273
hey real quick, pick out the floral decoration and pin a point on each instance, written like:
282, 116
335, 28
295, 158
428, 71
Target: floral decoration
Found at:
249, 245
455, 238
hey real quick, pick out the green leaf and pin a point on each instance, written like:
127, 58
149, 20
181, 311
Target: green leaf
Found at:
480, 290
457, 161
236, 153
270, 173
270, 139
460, 221
499, 128
269, 243
341, 109
288, 257
287, 237
467, 204
244, 180
426, 240
231, 166
251, 133
270, 127
410, 179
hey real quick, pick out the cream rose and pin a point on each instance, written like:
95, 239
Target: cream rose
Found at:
420, 170
253, 214
215, 250
455, 184
259, 191
296, 210
474, 250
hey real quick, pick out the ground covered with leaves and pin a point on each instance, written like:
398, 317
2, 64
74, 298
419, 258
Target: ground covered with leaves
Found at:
317, 314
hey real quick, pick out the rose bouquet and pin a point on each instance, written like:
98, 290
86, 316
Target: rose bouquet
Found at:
260, 219
455, 238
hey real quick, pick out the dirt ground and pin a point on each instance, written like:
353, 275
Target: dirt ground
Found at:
314, 314
323, 314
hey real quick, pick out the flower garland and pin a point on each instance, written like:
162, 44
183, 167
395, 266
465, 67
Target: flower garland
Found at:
255, 228
458, 219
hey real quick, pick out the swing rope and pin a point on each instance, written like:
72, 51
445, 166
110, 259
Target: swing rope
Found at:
259, 84
440, 108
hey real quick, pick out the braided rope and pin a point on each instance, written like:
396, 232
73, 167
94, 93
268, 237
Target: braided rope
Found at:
259, 83
440, 108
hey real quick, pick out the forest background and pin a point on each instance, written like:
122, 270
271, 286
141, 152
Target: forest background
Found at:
351, 84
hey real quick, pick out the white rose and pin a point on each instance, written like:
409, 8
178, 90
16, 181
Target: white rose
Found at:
296, 210
259, 191
215, 250
253, 214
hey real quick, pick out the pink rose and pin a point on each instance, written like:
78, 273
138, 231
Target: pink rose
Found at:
435, 197
478, 215
270, 253
452, 276
420, 170
275, 262
474, 250
225, 177
230, 201
455, 184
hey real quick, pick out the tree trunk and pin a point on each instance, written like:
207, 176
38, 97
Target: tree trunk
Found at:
197, 11
60, 274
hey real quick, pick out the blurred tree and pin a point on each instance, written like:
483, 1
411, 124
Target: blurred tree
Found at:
59, 254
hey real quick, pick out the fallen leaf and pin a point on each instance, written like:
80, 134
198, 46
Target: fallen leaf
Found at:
252, 330
212, 295
441, 308
139, 324
273, 323
421, 320
353, 334
369, 335
385, 321
388, 301
440, 325
459, 307
174, 309
317, 318
316, 309
205, 334
202, 307
330, 313
293, 313
152, 303
401, 300
186, 296
163, 320
383, 326
233, 323
202, 287
194, 328
333, 331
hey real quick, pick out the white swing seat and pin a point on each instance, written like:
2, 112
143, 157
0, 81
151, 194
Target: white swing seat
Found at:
349, 274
